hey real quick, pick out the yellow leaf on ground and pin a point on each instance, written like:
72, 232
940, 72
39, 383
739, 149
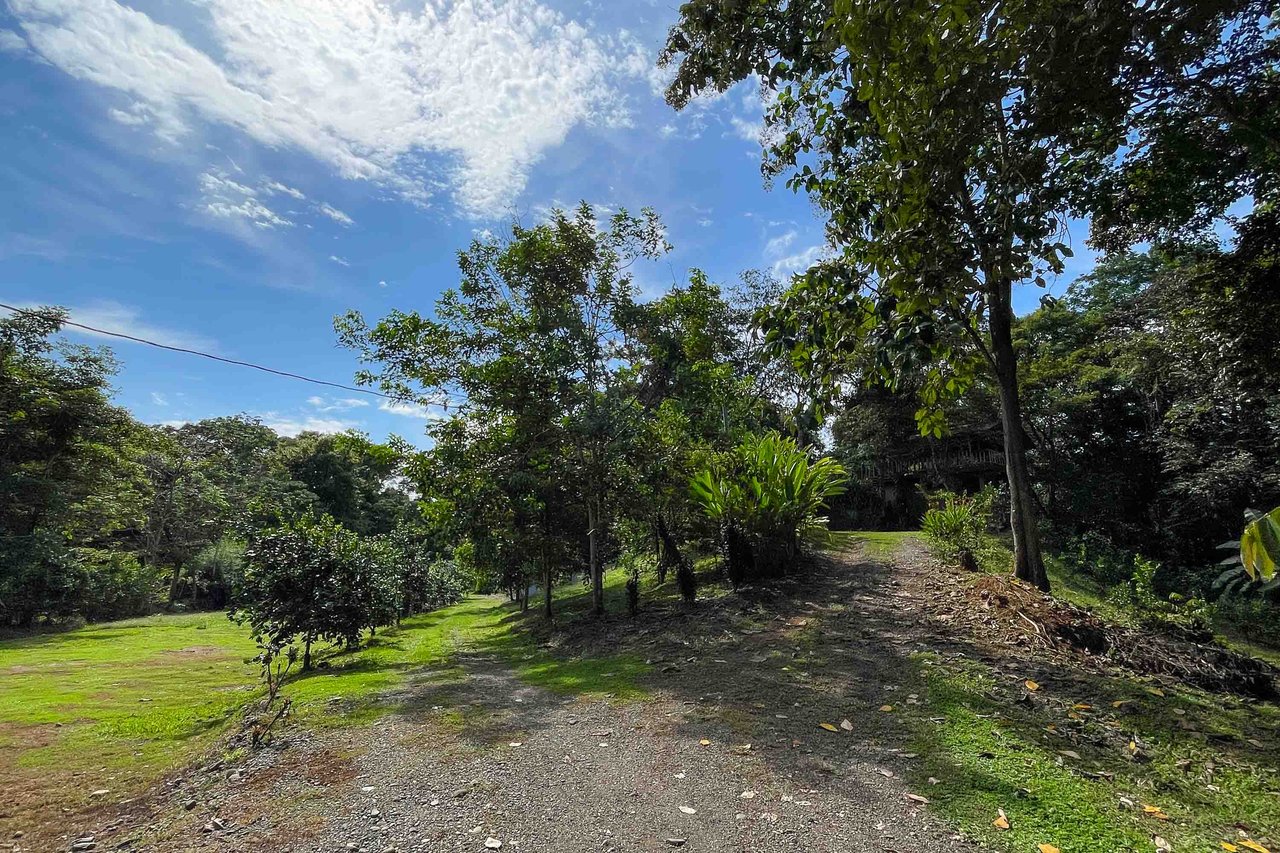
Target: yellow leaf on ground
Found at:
886, 708
1254, 846
1031, 685
704, 742
1001, 821
1154, 691
1082, 706
1048, 848
1156, 812
1228, 846
828, 727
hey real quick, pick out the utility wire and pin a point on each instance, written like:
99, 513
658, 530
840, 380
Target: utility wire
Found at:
213, 357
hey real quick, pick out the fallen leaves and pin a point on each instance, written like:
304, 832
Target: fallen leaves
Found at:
846, 725
1254, 846
1001, 821
1048, 848
492, 844
1163, 845
704, 742
688, 810
916, 798
886, 708
828, 726
748, 795
1031, 685
1155, 812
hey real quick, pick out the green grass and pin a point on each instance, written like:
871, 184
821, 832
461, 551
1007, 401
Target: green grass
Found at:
877, 544
1209, 763
121, 703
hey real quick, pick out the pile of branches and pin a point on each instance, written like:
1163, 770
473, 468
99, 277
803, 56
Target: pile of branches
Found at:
1014, 613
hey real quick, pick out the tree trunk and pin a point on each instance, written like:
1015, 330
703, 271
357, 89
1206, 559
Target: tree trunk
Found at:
593, 550
306, 654
1028, 565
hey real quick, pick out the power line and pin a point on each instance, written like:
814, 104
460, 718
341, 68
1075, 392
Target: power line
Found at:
213, 357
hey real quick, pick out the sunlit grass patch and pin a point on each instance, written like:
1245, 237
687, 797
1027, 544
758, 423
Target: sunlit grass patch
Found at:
1194, 762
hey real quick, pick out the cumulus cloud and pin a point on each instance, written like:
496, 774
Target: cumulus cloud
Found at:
469, 93
224, 198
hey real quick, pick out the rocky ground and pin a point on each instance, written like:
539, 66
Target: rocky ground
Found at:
770, 723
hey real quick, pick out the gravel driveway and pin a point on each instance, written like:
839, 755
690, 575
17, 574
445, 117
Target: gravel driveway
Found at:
726, 752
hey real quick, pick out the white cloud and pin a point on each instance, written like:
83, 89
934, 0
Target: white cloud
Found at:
470, 93
11, 42
336, 215
158, 399
746, 129
294, 426
409, 410
277, 187
342, 262
336, 404
111, 316
224, 198
800, 261
777, 245
783, 261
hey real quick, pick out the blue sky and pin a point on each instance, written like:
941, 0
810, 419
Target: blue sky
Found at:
228, 175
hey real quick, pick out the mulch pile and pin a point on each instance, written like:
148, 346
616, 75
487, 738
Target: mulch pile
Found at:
1006, 611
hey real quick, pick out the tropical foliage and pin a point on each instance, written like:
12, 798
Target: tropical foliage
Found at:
763, 499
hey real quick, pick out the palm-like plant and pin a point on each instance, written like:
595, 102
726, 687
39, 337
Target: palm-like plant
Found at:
765, 500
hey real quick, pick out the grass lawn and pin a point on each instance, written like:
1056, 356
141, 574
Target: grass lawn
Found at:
115, 706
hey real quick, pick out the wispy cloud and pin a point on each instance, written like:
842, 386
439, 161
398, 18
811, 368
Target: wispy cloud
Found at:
342, 262
409, 410
159, 399
293, 426
11, 42
111, 316
784, 259
336, 404
468, 94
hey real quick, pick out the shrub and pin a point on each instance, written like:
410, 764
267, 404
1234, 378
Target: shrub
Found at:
116, 585
1093, 555
1181, 614
957, 525
764, 499
313, 579
215, 571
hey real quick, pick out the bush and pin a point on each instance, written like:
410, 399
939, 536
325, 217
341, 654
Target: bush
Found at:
764, 499
1175, 612
957, 525
1255, 618
1093, 555
214, 572
116, 585
315, 580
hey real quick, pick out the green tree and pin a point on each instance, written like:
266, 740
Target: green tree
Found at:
315, 580
70, 492
947, 143
531, 340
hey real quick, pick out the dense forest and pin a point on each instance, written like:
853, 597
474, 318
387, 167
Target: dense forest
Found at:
1125, 429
